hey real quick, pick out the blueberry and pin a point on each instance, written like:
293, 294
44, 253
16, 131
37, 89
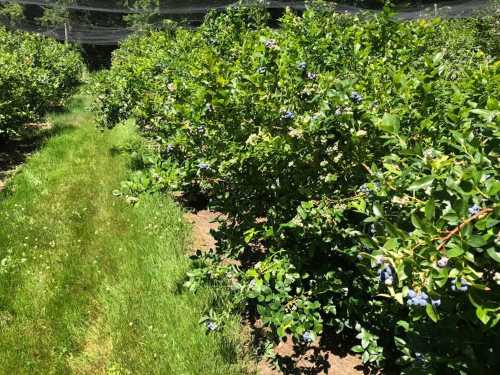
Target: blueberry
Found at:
364, 189
423, 302
417, 299
170, 147
442, 262
271, 43
288, 115
261, 70
436, 302
200, 129
302, 65
307, 337
203, 166
419, 357
474, 210
311, 76
464, 285
386, 275
356, 98
211, 326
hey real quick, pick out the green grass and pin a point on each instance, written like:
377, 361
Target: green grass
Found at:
89, 283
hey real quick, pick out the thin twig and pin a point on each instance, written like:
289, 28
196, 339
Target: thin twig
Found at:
445, 239
367, 168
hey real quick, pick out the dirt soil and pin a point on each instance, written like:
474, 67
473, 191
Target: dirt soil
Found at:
202, 222
322, 357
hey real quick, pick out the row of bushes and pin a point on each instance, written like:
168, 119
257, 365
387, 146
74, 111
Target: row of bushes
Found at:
355, 161
36, 74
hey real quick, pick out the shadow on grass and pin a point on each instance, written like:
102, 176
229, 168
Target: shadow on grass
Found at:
15, 150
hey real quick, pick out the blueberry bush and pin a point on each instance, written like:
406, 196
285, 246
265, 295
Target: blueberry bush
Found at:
355, 160
36, 74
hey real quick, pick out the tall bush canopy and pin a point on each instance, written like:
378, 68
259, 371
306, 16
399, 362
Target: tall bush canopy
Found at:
36, 74
355, 161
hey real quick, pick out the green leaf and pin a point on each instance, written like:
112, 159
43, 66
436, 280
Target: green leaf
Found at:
377, 210
430, 209
422, 183
416, 221
392, 243
357, 349
281, 331
364, 343
365, 357
493, 254
454, 252
429, 309
389, 123
482, 314
476, 241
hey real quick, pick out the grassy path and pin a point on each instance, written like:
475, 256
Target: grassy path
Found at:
88, 283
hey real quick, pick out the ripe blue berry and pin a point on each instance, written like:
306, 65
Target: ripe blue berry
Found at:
356, 98
311, 76
307, 337
417, 299
211, 326
271, 43
436, 302
474, 210
443, 262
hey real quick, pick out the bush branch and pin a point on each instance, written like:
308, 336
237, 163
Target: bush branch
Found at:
445, 239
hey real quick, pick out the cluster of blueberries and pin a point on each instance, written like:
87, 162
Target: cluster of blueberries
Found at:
420, 299
364, 189
386, 275
271, 43
370, 194
309, 75
356, 98
464, 285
